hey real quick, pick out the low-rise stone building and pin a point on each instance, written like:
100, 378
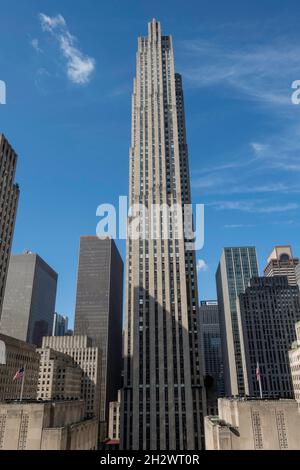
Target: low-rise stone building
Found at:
251, 424
46, 426
14, 355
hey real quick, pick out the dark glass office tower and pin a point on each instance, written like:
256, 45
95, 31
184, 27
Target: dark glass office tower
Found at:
9, 196
267, 313
98, 315
29, 301
214, 370
163, 396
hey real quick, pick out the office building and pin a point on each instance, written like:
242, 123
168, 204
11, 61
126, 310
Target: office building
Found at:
88, 358
214, 374
9, 196
29, 301
253, 425
236, 267
163, 394
114, 420
46, 426
294, 357
60, 325
282, 263
59, 376
16, 354
98, 314
267, 313
297, 272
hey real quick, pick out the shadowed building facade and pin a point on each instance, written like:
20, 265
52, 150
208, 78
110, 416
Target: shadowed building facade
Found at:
163, 395
98, 313
267, 313
9, 196
60, 325
214, 373
29, 301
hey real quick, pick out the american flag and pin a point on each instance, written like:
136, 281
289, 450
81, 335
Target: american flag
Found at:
257, 373
20, 374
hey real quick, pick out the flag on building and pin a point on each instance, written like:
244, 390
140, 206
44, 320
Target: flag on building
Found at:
20, 374
257, 373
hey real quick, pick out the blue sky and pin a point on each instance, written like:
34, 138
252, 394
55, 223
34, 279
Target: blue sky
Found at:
69, 66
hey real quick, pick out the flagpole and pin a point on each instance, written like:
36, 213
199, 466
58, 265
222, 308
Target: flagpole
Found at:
22, 385
259, 381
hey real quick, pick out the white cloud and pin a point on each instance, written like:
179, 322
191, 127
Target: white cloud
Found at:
258, 148
51, 23
238, 225
79, 66
201, 265
36, 45
254, 207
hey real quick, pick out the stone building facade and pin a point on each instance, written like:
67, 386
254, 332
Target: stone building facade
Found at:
294, 357
46, 426
88, 358
16, 354
59, 376
253, 425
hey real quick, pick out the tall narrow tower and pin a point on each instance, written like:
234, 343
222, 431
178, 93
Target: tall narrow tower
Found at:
236, 267
99, 302
9, 196
163, 395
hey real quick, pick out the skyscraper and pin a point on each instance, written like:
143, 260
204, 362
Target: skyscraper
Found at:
29, 301
9, 196
236, 267
163, 395
98, 314
60, 325
282, 263
209, 318
267, 313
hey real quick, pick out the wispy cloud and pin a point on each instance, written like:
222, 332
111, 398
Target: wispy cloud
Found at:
263, 72
35, 44
233, 226
254, 206
226, 184
201, 265
79, 67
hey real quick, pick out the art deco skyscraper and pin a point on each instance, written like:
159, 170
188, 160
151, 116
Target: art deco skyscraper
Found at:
163, 395
9, 195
